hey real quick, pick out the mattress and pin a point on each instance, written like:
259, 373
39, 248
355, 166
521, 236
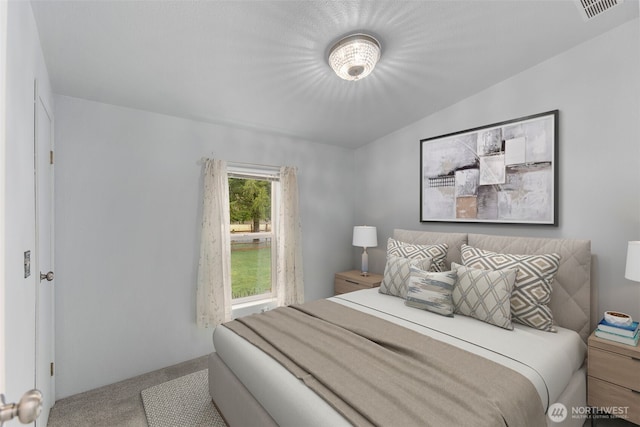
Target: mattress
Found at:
548, 360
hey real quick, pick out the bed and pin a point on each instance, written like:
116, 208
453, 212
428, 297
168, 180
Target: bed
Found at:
251, 388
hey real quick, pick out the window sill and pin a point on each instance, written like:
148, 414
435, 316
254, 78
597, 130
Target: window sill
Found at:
252, 307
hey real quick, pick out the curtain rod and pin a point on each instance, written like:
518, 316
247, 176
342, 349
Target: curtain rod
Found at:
248, 165
241, 164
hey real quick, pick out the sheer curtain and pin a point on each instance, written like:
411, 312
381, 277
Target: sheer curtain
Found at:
289, 263
214, 270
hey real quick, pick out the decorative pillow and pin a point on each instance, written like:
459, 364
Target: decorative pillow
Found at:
437, 253
397, 272
532, 290
431, 291
484, 294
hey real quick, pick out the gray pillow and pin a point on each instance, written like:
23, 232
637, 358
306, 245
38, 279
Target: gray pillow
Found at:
484, 294
431, 291
437, 253
532, 290
397, 272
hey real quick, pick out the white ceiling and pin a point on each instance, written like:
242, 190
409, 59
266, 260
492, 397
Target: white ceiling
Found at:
262, 64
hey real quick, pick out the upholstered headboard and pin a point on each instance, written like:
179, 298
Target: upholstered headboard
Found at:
571, 297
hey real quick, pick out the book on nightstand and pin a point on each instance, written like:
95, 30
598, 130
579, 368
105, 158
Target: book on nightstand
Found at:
626, 331
633, 341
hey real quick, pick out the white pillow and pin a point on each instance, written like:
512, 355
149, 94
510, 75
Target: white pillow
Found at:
484, 294
431, 291
397, 272
532, 290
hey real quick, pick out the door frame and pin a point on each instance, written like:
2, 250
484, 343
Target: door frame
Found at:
3, 134
41, 104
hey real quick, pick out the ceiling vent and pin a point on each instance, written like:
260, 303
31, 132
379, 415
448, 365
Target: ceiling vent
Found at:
589, 9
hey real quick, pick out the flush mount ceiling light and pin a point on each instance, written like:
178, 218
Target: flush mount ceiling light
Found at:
354, 56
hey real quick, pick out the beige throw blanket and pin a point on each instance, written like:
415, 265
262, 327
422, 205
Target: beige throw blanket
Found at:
374, 372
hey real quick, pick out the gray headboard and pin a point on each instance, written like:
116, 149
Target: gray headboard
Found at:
571, 297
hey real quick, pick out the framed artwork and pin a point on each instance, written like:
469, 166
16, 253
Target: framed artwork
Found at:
501, 173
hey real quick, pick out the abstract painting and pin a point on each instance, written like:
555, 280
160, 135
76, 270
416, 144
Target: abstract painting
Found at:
501, 173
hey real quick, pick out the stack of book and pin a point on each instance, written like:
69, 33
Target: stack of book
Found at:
623, 334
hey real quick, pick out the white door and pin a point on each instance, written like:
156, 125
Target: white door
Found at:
17, 287
44, 252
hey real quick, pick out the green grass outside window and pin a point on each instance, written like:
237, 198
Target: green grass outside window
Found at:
250, 269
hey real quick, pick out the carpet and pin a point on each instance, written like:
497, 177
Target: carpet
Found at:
183, 402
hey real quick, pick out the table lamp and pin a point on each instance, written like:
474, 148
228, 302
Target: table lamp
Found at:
365, 237
632, 271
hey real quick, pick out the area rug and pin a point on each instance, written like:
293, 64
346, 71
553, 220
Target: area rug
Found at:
184, 401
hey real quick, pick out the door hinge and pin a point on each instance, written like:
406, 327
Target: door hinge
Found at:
51, 368
51, 157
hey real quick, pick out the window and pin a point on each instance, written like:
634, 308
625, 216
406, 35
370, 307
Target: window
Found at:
253, 244
277, 237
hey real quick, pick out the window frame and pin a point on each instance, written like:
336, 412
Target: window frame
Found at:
262, 174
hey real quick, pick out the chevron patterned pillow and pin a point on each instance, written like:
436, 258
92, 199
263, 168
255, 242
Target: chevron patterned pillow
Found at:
484, 294
532, 290
397, 272
437, 253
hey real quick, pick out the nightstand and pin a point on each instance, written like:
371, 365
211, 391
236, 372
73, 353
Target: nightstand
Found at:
614, 376
349, 281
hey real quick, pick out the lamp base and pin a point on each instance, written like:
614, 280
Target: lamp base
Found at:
364, 271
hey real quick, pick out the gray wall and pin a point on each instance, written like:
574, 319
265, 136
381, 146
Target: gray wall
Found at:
597, 90
128, 211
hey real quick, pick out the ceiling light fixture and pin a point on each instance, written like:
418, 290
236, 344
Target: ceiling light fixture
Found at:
354, 56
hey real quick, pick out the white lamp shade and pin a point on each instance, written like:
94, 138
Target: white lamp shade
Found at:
365, 236
632, 271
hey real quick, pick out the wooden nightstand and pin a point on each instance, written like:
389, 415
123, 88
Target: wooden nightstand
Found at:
349, 281
614, 376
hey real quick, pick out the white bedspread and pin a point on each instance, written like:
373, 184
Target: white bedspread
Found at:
547, 359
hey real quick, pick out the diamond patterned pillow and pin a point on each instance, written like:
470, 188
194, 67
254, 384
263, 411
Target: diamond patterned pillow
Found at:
484, 294
532, 290
437, 253
397, 273
431, 291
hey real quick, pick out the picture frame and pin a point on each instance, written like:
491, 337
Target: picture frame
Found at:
505, 173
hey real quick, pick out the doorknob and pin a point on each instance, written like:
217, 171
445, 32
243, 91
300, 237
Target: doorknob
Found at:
27, 410
48, 276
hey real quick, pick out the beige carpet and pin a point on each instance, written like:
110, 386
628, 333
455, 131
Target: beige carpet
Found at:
119, 404
184, 401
